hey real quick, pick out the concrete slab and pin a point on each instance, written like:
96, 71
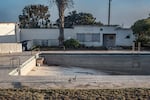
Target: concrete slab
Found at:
8, 62
82, 82
99, 51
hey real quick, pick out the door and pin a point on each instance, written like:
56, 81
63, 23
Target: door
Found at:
109, 40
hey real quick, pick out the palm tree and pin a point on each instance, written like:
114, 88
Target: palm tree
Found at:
62, 5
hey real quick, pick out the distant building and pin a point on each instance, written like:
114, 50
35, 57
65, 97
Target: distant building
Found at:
89, 35
7, 33
108, 36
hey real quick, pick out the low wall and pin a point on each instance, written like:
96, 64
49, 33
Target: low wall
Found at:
126, 63
25, 68
28, 66
10, 47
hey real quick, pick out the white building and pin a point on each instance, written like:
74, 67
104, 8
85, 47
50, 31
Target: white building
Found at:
108, 36
90, 35
7, 33
9, 41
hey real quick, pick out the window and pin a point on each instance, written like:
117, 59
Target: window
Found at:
96, 37
88, 37
128, 37
101, 29
40, 42
36, 42
44, 43
81, 37
111, 37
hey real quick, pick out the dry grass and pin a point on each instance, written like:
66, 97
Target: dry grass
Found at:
71, 94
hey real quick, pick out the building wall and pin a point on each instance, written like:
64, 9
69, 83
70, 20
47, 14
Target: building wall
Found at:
39, 35
124, 38
10, 33
7, 33
107, 29
86, 29
104, 30
8, 39
121, 35
17, 31
30, 34
51, 35
34, 35
10, 47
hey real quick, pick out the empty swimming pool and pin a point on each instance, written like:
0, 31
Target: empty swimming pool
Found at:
131, 63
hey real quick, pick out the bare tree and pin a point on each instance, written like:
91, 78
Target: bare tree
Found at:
62, 5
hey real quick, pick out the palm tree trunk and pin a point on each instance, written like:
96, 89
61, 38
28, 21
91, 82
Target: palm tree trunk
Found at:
61, 26
62, 5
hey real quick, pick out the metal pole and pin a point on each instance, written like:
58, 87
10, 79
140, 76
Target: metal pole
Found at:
19, 67
139, 46
109, 10
133, 46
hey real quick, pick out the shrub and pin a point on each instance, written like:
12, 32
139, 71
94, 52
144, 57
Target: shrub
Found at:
143, 40
36, 48
71, 43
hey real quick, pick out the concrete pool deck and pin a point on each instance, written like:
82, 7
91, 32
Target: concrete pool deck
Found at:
98, 52
8, 62
81, 82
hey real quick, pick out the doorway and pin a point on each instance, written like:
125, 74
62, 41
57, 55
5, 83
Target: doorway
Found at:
109, 40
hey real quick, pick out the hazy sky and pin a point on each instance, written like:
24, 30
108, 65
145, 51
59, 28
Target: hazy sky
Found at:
123, 12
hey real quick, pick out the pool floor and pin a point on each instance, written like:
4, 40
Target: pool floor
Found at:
67, 71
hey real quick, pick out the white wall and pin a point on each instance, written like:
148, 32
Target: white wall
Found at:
17, 31
70, 33
7, 29
27, 66
121, 37
30, 34
40, 34
108, 29
86, 29
10, 33
53, 34
7, 33
8, 39
10, 47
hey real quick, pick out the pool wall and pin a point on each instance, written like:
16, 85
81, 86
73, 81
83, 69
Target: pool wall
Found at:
26, 67
127, 63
